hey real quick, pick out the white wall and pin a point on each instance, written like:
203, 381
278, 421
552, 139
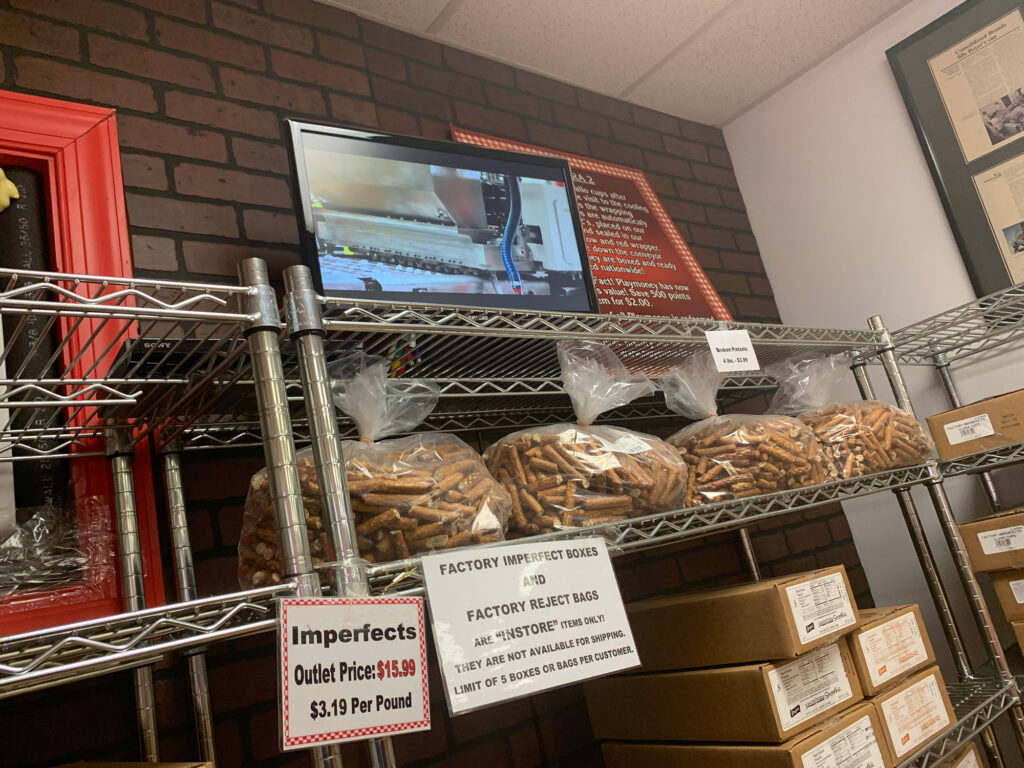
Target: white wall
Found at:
849, 225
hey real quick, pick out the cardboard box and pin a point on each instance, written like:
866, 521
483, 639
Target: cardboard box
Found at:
853, 740
980, 426
768, 620
1018, 631
996, 542
890, 644
914, 712
768, 702
968, 757
1009, 586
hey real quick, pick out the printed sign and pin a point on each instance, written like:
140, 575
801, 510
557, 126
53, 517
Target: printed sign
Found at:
638, 259
969, 429
351, 668
516, 621
732, 351
1002, 540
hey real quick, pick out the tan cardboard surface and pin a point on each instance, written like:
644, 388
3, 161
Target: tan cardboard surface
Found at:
996, 542
914, 712
135, 765
1009, 586
968, 757
768, 702
851, 734
1005, 415
890, 644
768, 620
1018, 631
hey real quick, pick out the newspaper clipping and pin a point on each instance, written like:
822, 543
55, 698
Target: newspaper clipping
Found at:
981, 81
1001, 190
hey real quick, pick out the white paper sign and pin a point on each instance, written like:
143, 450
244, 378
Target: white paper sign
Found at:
1018, 590
809, 685
892, 648
969, 429
1002, 540
970, 760
525, 618
351, 668
853, 747
732, 351
820, 606
915, 715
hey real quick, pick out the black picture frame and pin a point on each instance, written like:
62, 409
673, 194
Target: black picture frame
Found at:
952, 173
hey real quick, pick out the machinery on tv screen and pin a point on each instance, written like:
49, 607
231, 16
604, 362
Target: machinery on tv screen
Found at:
398, 219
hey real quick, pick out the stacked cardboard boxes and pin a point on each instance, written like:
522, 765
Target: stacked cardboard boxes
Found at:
995, 545
772, 675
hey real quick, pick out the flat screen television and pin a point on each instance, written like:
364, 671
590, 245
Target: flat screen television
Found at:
398, 218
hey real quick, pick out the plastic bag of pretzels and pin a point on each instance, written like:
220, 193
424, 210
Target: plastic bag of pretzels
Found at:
579, 475
420, 493
733, 456
860, 437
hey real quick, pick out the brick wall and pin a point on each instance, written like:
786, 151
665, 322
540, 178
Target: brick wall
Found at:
201, 87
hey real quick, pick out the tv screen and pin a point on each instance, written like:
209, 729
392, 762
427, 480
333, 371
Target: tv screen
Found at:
397, 218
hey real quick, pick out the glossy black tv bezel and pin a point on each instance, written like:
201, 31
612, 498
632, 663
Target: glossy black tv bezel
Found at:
294, 129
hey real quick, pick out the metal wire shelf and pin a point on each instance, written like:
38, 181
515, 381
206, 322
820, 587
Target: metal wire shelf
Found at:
974, 327
977, 705
56, 656
983, 461
655, 530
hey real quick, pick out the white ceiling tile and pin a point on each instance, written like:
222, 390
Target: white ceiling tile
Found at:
750, 51
410, 15
603, 45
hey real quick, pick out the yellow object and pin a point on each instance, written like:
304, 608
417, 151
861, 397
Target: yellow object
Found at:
8, 192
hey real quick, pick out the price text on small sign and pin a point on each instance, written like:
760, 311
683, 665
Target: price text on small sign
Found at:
525, 618
351, 668
732, 351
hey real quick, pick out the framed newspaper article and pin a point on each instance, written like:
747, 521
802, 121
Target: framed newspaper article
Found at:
962, 79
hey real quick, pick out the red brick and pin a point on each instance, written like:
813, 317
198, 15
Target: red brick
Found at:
791, 565
230, 185
404, 97
435, 129
691, 150
720, 157
473, 725
706, 134
658, 121
200, 530
729, 282
746, 242
697, 192
612, 151
710, 562
724, 217
518, 102
443, 81
735, 261
684, 211
524, 747
670, 164
143, 171
315, 14
650, 577
839, 528
386, 64
733, 199
209, 45
757, 308
396, 121
641, 137
718, 238
808, 537
341, 49
769, 547
229, 523
662, 184
175, 215
565, 732
218, 576
604, 105
144, 61
223, 259
357, 111
557, 138
545, 87
489, 120
258, 27
261, 155
423, 744
706, 257
271, 227
723, 177
759, 286
585, 122
558, 699
859, 582
265, 90
56, 78
309, 70
221, 114
401, 43
97, 14
158, 136
479, 66
17, 31
493, 754
156, 253
841, 554
193, 10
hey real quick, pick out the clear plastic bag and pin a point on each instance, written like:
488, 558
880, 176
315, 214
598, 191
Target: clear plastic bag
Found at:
736, 455
859, 437
409, 495
576, 475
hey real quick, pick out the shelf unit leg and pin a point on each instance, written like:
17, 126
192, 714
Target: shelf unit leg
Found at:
279, 447
305, 328
953, 395
749, 555
186, 583
119, 451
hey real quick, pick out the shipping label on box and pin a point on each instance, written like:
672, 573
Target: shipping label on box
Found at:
995, 542
981, 426
809, 686
968, 757
917, 712
821, 606
856, 746
892, 647
1009, 587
